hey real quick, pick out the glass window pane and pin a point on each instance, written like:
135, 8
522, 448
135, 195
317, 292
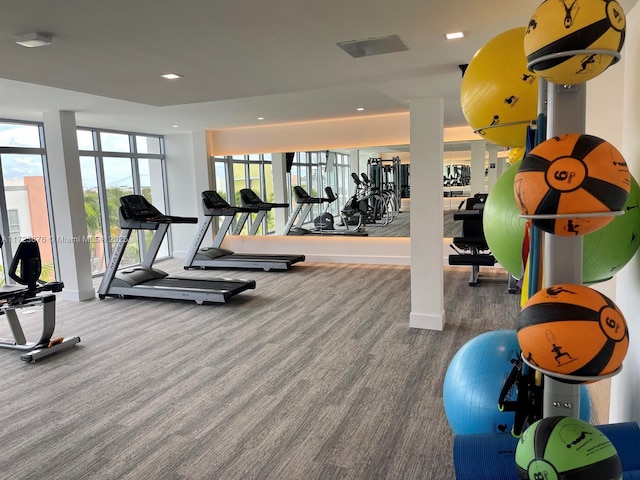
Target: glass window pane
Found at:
239, 182
85, 140
14, 222
93, 213
147, 144
254, 178
25, 195
119, 182
19, 135
115, 142
152, 188
220, 167
255, 184
269, 196
303, 178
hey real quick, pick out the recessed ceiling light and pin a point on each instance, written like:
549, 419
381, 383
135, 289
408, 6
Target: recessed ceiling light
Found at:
360, 109
175, 126
171, 76
260, 118
33, 39
454, 35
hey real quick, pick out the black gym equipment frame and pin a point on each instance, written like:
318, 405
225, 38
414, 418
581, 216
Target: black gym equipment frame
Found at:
250, 200
217, 257
136, 213
31, 292
305, 203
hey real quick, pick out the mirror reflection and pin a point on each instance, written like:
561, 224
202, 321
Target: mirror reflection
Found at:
358, 190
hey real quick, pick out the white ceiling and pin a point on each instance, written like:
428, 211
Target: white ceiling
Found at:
240, 59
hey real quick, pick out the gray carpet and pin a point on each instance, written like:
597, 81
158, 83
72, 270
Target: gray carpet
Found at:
313, 375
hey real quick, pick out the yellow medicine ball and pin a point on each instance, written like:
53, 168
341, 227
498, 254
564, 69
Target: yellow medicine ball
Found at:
499, 96
580, 26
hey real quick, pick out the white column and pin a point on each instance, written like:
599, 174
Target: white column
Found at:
67, 200
427, 282
625, 387
187, 177
354, 160
478, 159
280, 194
501, 166
493, 165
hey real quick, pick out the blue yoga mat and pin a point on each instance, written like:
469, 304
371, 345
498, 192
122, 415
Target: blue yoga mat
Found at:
491, 456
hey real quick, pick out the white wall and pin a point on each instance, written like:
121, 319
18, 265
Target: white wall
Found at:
625, 387
328, 134
187, 177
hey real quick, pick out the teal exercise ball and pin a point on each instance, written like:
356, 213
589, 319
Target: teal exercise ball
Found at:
474, 379
473, 382
606, 250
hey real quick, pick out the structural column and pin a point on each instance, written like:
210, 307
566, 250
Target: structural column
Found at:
188, 175
67, 197
478, 160
427, 277
493, 165
279, 172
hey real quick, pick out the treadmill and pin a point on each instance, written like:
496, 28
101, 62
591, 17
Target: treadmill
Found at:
136, 213
217, 257
251, 200
305, 203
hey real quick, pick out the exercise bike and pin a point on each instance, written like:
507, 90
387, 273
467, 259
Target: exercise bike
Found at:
25, 269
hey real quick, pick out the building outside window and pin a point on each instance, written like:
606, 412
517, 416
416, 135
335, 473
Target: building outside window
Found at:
25, 193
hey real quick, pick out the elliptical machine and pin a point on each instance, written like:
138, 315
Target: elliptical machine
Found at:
325, 221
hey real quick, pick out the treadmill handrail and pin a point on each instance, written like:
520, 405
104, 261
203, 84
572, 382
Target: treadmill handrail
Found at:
303, 197
249, 198
216, 206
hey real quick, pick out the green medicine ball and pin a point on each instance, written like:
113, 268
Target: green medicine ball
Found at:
606, 250
566, 448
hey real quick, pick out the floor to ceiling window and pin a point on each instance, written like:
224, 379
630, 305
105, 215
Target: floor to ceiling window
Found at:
24, 194
233, 173
314, 171
311, 170
114, 164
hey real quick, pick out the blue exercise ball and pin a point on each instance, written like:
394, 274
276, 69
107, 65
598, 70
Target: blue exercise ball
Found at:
474, 379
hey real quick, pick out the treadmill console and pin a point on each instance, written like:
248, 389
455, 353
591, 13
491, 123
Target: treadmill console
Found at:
136, 207
213, 200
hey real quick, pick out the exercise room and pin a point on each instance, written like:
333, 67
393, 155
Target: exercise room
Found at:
294, 240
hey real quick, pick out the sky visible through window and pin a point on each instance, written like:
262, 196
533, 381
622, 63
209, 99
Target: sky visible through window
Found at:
16, 167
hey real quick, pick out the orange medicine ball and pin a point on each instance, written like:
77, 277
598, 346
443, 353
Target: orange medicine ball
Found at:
573, 330
572, 174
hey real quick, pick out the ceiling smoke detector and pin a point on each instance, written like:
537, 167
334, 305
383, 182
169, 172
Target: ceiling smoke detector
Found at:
373, 46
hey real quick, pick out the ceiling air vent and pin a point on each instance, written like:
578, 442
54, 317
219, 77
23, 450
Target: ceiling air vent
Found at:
373, 46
